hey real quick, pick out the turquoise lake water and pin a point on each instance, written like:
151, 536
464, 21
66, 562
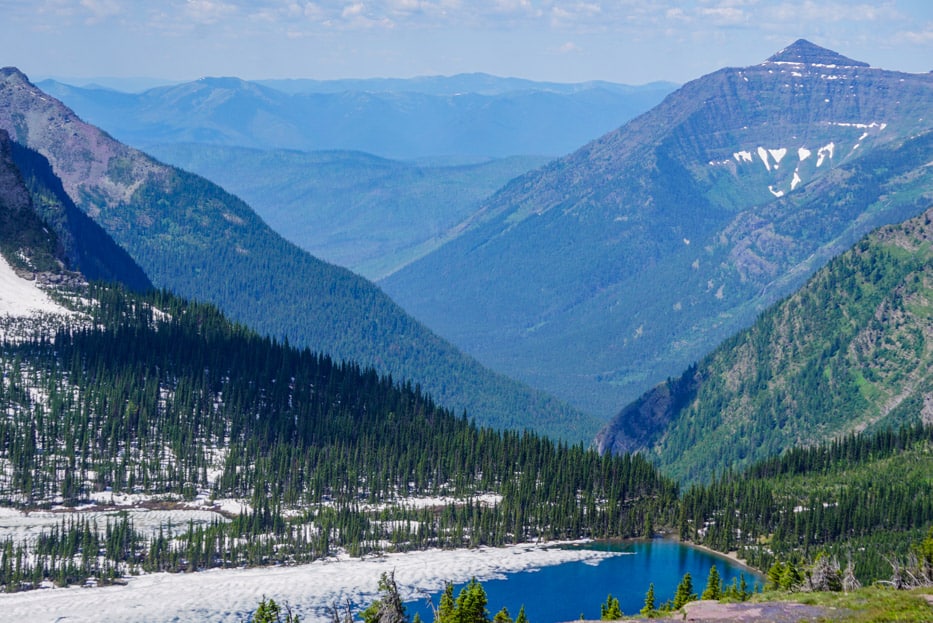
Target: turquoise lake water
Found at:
564, 592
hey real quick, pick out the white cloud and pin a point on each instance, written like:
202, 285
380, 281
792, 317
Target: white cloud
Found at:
209, 11
724, 15
353, 11
101, 9
920, 37
832, 11
568, 48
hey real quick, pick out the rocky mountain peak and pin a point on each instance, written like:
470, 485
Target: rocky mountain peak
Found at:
807, 53
12, 72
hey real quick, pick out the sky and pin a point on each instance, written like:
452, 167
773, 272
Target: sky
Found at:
627, 41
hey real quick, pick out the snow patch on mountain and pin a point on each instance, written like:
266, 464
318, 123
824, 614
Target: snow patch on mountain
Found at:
824, 152
763, 154
20, 298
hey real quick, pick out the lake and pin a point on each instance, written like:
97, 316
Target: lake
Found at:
564, 592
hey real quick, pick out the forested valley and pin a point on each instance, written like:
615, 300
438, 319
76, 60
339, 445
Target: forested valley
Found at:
153, 395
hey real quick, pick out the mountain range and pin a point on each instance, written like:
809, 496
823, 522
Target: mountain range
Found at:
280, 455
191, 237
618, 265
473, 115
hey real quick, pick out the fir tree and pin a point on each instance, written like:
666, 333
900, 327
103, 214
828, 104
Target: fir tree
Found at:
389, 607
610, 611
502, 616
684, 593
713, 588
648, 609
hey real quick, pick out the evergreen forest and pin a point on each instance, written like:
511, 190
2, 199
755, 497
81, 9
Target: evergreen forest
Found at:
157, 396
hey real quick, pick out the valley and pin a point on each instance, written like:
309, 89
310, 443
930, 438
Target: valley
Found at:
620, 264
198, 412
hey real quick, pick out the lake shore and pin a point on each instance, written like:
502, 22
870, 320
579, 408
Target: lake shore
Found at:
228, 596
731, 556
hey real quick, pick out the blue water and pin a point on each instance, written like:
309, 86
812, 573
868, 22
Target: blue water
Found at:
564, 592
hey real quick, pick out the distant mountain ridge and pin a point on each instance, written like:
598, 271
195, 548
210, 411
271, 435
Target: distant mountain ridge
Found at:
620, 264
474, 115
192, 237
369, 214
478, 83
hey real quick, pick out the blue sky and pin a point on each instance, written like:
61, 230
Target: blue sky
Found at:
630, 41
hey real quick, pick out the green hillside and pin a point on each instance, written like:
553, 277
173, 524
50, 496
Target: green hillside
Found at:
865, 498
850, 351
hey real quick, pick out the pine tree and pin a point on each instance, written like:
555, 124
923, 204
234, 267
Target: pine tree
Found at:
648, 609
610, 611
502, 616
389, 607
521, 618
271, 612
775, 573
790, 577
684, 593
713, 585
471, 604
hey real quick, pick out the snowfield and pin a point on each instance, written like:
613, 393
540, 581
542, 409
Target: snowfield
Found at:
228, 596
22, 298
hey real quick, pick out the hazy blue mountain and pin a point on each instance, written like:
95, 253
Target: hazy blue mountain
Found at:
192, 237
353, 209
620, 264
480, 83
509, 118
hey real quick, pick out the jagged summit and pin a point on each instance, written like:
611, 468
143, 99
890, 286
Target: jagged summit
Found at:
7, 72
803, 51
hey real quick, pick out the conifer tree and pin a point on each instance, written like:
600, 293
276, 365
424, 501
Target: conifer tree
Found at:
791, 577
713, 585
389, 607
610, 611
521, 618
684, 593
648, 609
447, 609
775, 573
471, 604
502, 616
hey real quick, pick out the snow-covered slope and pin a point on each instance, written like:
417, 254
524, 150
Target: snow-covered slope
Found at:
22, 298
